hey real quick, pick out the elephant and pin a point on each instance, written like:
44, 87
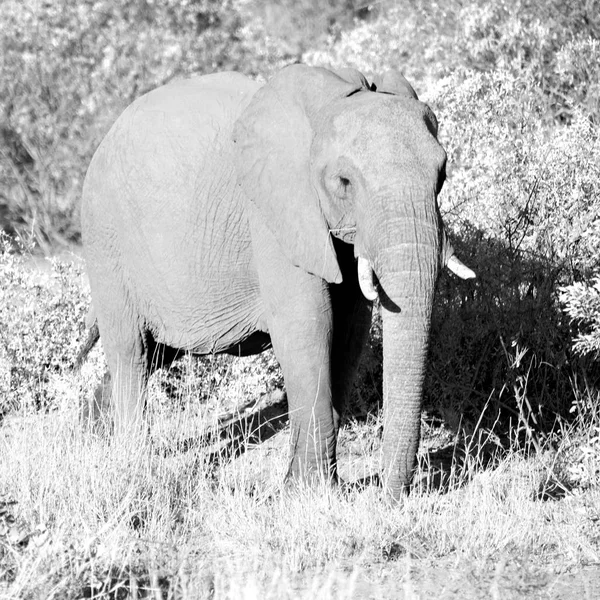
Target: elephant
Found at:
224, 215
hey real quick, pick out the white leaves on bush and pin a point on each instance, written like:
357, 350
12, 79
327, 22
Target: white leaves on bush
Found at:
582, 303
42, 314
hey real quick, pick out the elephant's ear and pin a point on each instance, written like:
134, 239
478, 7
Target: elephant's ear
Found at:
273, 137
353, 76
393, 82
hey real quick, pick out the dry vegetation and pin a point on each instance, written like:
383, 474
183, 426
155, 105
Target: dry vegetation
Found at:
506, 503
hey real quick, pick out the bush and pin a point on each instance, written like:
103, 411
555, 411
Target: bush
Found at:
287, 29
582, 304
42, 315
522, 201
553, 44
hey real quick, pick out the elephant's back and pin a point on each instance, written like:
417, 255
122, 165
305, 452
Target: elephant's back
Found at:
219, 96
170, 128
161, 199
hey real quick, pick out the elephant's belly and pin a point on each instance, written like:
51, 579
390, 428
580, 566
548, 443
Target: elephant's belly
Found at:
210, 323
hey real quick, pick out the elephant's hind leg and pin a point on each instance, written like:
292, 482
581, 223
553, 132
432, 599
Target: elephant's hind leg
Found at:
127, 357
102, 409
127, 349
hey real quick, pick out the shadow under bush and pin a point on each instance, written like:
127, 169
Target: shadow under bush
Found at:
504, 338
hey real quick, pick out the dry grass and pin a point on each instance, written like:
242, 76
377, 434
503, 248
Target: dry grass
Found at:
114, 519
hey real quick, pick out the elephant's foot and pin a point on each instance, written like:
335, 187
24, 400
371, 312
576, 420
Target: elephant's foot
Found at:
295, 485
310, 475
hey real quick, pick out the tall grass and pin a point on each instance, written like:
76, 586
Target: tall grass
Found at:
94, 515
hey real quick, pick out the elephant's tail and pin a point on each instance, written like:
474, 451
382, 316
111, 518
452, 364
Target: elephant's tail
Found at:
90, 342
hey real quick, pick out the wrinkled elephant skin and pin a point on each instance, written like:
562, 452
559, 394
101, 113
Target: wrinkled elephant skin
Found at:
220, 215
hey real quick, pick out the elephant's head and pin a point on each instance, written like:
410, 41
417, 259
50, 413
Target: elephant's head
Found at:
322, 155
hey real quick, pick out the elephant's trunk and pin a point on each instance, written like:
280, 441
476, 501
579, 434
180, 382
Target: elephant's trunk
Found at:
405, 344
406, 260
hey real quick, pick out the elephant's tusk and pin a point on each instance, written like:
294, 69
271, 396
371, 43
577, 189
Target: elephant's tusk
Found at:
365, 279
458, 268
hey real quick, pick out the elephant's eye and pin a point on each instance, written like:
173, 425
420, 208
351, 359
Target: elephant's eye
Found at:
338, 186
344, 187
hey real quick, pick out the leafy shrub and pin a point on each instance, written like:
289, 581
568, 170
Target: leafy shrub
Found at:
514, 179
522, 201
578, 75
582, 304
553, 44
402, 37
287, 29
216, 383
41, 320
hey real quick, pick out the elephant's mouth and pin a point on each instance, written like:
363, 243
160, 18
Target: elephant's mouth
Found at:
367, 282
346, 234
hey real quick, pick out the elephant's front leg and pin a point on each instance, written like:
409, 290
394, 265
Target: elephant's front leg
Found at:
301, 333
299, 319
